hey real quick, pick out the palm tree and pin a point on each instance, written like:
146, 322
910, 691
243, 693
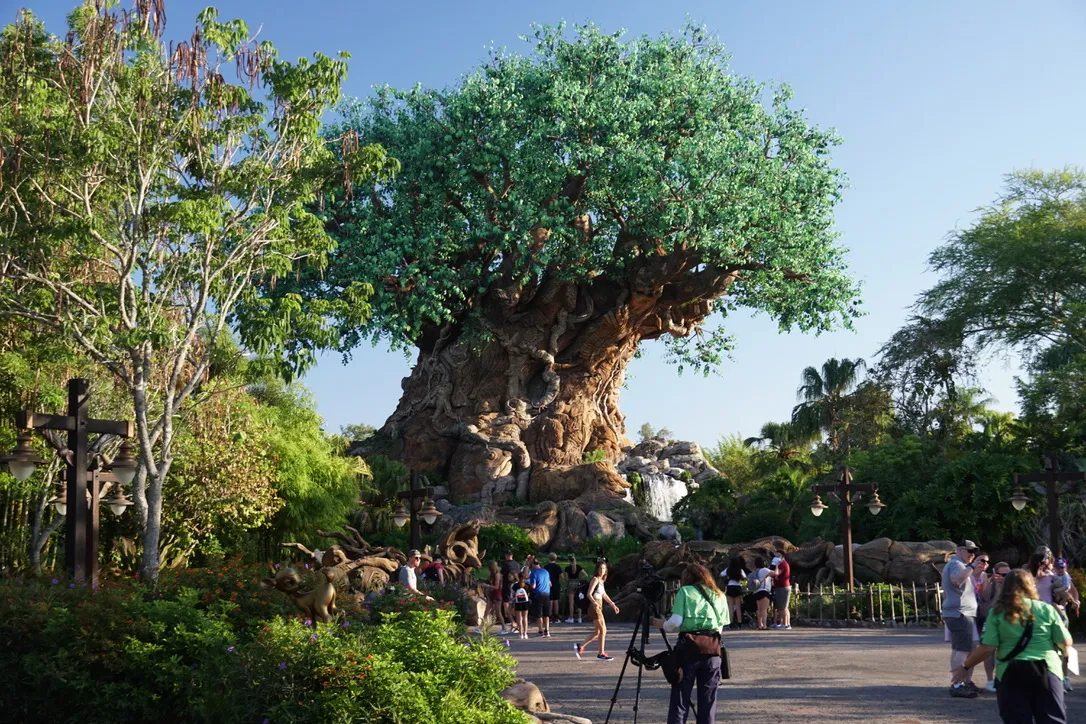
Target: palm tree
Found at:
824, 396
784, 440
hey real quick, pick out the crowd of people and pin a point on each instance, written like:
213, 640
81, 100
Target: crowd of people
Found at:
1014, 623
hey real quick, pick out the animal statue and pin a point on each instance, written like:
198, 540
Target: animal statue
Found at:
318, 604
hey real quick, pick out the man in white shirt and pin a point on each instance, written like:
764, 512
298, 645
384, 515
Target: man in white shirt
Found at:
409, 575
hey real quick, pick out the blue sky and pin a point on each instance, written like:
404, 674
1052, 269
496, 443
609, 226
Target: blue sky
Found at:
936, 101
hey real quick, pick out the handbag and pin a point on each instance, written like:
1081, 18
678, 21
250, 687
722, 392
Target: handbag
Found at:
707, 643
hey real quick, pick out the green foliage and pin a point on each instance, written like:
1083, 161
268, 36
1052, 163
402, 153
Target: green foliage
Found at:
823, 396
594, 456
711, 508
127, 656
647, 432
496, 538
609, 547
737, 462
654, 142
758, 523
317, 485
388, 477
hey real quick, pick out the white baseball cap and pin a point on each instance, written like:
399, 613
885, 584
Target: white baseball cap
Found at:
775, 561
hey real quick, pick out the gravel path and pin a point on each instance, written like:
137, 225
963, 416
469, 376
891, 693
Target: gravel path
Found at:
817, 676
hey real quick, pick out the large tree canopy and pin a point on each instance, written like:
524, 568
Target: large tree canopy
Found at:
555, 210
646, 163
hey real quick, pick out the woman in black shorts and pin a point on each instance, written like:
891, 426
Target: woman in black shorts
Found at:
735, 575
762, 583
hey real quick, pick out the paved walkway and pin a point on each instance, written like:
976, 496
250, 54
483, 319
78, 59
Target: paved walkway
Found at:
816, 676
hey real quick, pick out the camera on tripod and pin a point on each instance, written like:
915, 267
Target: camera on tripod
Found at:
650, 585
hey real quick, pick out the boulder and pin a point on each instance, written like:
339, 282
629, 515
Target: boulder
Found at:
476, 611
543, 525
670, 533
593, 482
526, 696
873, 555
440, 491
811, 555
681, 448
708, 472
650, 448
600, 524
837, 561
920, 569
572, 527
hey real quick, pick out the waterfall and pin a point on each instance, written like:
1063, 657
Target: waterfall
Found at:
662, 492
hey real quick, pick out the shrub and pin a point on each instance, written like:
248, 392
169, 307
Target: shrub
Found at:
610, 547
129, 655
496, 538
594, 456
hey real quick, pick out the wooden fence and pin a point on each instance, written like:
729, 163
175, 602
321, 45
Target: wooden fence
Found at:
877, 603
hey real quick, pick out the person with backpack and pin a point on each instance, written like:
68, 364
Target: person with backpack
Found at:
699, 614
521, 603
435, 570
1028, 639
761, 582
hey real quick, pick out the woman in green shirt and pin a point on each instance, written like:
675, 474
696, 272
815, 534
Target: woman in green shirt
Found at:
1029, 668
699, 608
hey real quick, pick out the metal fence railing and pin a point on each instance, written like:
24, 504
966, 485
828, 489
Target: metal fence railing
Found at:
883, 603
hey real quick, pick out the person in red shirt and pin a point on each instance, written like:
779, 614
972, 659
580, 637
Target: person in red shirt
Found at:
782, 591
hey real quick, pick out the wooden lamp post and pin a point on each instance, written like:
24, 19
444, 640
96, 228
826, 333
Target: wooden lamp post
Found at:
80, 501
419, 504
847, 493
1052, 483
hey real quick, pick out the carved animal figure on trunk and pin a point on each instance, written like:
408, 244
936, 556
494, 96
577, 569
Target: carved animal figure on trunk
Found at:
318, 604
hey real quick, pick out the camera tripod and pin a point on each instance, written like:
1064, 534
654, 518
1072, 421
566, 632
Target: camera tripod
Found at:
648, 611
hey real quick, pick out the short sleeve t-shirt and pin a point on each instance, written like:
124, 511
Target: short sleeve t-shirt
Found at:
1044, 587
783, 579
408, 577
737, 581
540, 580
1048, 630
700, 613
761, 579
958, 600
555, 572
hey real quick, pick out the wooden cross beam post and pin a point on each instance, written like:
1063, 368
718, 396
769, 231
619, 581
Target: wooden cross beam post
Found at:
414, 498
81, 523
846, 493
1052, 484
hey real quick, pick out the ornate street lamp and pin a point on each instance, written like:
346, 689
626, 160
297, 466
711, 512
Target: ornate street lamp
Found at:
23, 460
1019, 499
818, 506
429, 513
847, 493
875, 506
400, 517
83, 476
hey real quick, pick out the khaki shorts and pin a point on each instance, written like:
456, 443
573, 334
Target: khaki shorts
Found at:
961, 630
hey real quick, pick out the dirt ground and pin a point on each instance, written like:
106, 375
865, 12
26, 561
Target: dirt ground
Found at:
803, 675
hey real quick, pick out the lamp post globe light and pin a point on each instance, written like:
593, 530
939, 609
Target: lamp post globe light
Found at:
86, 476
1052, 483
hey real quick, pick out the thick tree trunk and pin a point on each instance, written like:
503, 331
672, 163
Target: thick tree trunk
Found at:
541, 392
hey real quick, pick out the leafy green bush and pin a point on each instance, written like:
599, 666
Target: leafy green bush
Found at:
758, 524
129, 655
594, 456
496, 538
608, 546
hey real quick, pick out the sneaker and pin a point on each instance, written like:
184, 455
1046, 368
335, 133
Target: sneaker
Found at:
580, 620
963, 692
542, 635
568, 620
774, 625
578, 650
503, 632
1067, 684
785, 627
605, 657
524, 636
990, 686
546, 634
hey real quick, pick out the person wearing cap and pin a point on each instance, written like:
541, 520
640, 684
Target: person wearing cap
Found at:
959, 614
782, 591
409, 575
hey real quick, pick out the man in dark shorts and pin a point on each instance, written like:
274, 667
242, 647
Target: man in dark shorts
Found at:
510, 572
577, 587
555, 572
959, 614
540, 581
